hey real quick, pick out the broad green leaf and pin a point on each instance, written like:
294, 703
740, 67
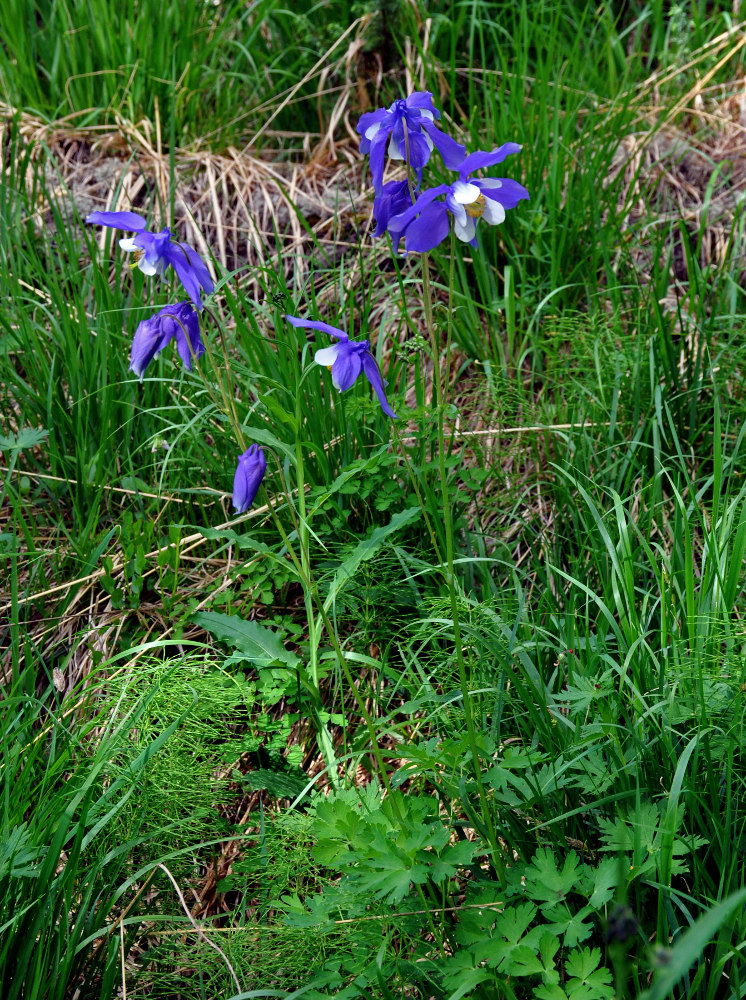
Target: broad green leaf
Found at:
582, 962
605, 879
544, 880
587, 981
524, 962
550, 992
571, 925
256, 642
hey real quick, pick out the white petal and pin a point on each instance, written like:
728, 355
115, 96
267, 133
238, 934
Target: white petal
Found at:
456, 210
128, 244
326, 356
429, 141
493, 213
394, 152
491, 182
464, 192
148, 268
427, 114
465, 231
372, 130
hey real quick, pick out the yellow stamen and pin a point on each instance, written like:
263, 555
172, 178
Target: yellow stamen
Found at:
476, 208
137, 256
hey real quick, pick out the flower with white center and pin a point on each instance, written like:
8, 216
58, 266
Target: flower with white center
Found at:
346, 360
409, 129
155, 251
426, 223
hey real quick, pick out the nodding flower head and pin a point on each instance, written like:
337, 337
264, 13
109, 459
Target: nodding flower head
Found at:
346, 359
178, 321
155, 251
249, 474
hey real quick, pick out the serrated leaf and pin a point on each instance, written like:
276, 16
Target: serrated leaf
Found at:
27, 437
572, 926
513, 922
524, 962
605, 879
258, 643
314, 914
544, 880
550, 991
582, 962
548, 948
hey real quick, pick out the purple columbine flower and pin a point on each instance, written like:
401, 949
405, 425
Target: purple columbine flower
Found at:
346, 360
250, 471
394, 199
151, 336
425, 224
410, 124
155, 251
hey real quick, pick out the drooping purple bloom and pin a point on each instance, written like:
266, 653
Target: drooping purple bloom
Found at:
152, 335
410, 129
249, 473
394, 199
155, 251
425, 224
347, 359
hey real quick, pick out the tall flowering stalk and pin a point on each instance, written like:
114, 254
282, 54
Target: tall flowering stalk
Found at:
417, 219
422, 219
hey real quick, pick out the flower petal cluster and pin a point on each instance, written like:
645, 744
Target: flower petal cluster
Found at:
394, 199
155, 251
347, 359
249, 474
409, 128
426, 223
179, 321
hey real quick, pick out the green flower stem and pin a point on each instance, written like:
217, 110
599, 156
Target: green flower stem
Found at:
303, 542
311, 591
440, 401
413, 480
226, 391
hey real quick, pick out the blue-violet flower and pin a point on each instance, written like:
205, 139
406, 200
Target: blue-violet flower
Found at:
347, 359
394, 199
425, 223
151, 336
250, 471
155, 251
410, 124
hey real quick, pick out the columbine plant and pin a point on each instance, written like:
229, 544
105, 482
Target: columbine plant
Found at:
408, 132
422, 220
